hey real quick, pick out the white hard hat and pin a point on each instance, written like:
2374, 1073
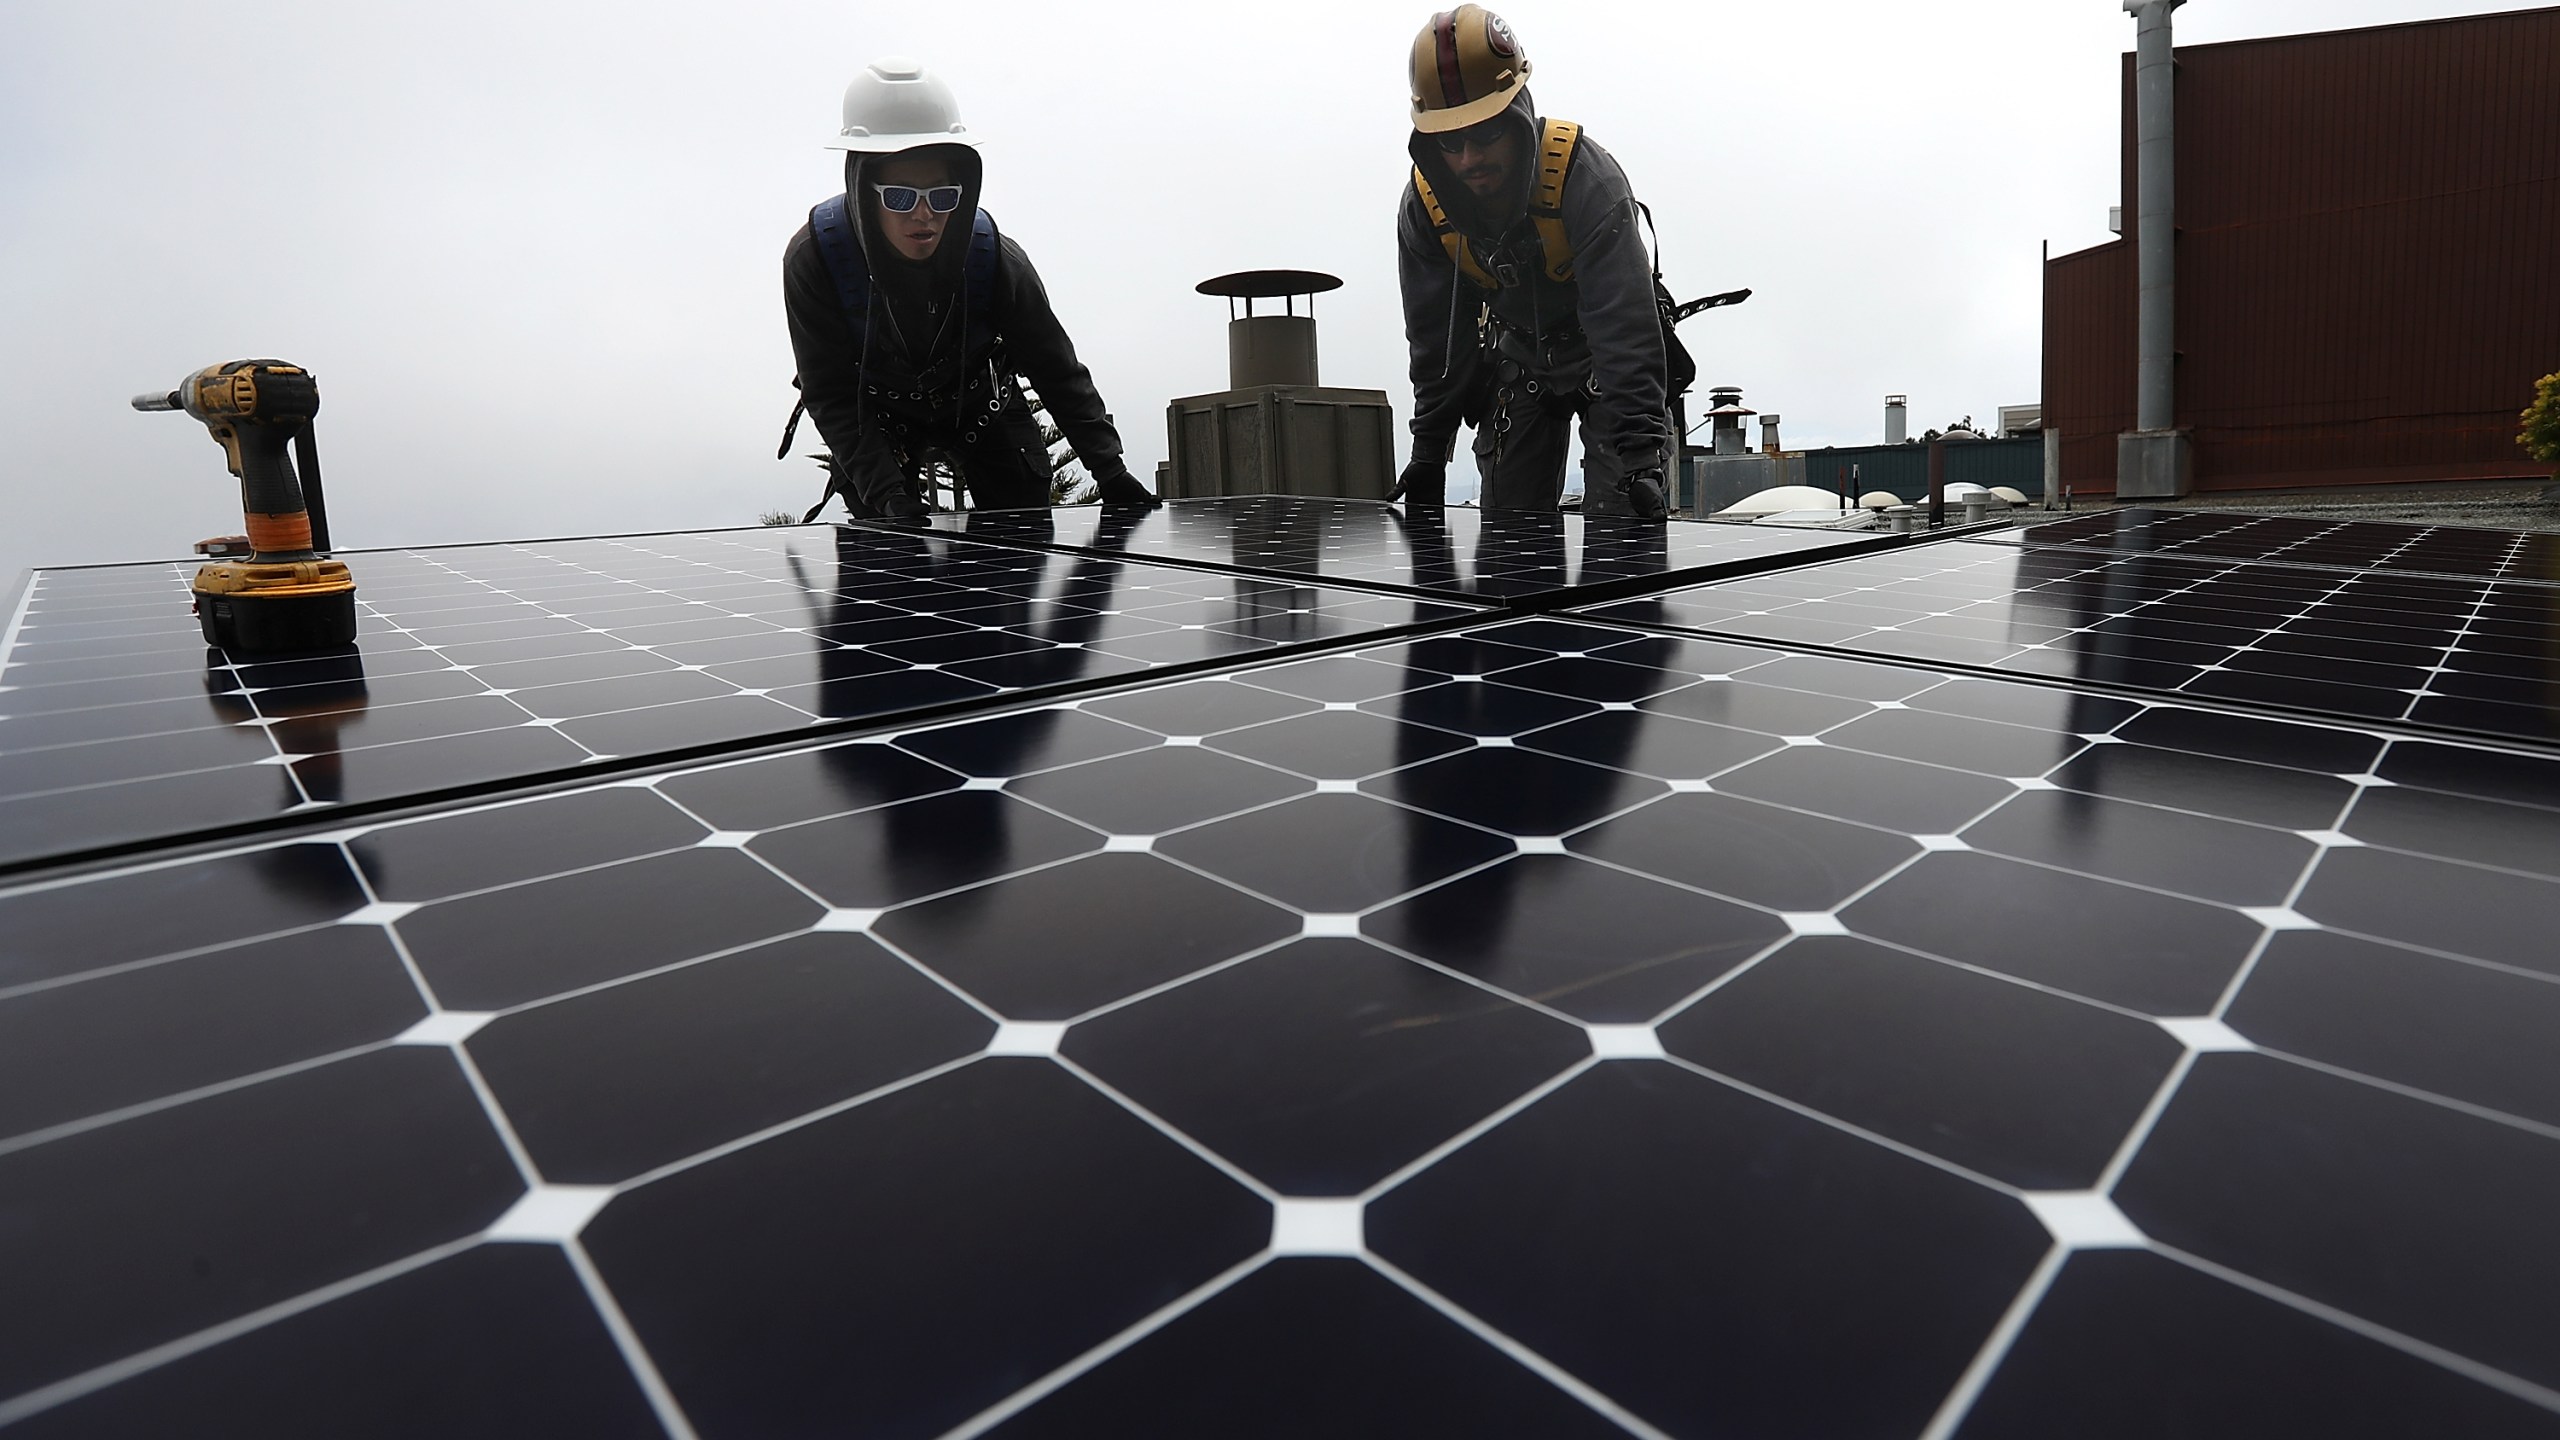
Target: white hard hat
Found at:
894, 105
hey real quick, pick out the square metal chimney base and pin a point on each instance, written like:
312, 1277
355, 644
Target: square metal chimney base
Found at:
1281, 440
2155, 464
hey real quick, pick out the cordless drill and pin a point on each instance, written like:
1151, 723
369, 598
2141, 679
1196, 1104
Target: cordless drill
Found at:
287, 595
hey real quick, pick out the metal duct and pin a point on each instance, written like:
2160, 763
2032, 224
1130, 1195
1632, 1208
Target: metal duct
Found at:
1271, 350
2155, 75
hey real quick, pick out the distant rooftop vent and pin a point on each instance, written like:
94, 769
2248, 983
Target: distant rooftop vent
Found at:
1725, 407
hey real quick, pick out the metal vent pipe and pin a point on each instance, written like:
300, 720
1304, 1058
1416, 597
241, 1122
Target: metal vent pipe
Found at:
1270, 349
2155, 79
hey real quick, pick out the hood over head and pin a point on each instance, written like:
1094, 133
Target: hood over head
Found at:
1484, 219
861, 171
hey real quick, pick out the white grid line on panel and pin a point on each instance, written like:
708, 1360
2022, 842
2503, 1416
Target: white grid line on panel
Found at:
46, 1397
2489, 1375
100, 1120
1952, 1411
626, 1340
1546, 1369
1049, 1384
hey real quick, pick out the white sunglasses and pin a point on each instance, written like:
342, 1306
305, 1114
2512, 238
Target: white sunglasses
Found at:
901, 199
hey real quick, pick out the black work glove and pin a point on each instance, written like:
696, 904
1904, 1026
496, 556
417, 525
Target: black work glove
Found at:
1643, 489
1424, 482
1120, 488
901, 507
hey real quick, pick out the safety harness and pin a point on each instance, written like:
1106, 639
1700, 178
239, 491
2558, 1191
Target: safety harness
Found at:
1524, 361
831, 224
1556, 145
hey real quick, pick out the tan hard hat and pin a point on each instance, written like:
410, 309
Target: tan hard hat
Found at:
1466, 68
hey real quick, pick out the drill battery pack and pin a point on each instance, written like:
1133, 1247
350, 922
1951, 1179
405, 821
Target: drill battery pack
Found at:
270, 608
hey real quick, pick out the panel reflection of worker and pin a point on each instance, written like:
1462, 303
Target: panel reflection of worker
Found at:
1529, 299
911, 318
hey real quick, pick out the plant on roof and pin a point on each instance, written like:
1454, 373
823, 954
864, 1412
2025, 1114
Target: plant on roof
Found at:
2540, 435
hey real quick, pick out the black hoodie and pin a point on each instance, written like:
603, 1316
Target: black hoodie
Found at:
917, 338
1609, 300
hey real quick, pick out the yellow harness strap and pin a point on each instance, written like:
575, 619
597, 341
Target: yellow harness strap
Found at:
1450, 239
1546, 210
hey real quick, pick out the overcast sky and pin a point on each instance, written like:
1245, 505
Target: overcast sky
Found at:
532, 251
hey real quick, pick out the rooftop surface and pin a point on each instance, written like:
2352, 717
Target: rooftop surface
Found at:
1245, 973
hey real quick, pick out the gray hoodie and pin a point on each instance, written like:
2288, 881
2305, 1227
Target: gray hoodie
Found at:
1609, 302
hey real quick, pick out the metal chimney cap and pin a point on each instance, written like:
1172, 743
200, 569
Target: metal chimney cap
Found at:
1269, 284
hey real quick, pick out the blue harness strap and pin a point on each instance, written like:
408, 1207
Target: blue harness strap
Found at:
831, 223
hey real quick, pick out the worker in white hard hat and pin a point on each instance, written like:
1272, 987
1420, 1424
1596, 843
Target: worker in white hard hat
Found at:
911, 319
1529, 299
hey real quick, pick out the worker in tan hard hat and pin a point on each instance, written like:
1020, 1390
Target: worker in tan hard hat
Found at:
1529, 299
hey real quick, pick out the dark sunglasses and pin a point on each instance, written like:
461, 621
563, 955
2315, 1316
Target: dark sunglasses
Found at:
900, 199
1483, 137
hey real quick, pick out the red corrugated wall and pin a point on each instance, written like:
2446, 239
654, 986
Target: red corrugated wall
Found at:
2368, 260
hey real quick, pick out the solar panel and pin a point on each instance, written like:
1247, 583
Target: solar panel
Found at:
2375, 644
1511, 556
2303, 540
1547, 1027
493, 663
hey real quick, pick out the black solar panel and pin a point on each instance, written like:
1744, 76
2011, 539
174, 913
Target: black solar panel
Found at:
1513, 556
1550, 1028
2383, 645
491, 663
2302, 540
